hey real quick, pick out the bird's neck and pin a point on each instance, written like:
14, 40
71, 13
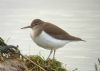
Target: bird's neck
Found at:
37, 30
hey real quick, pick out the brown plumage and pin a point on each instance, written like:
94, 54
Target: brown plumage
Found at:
59, 33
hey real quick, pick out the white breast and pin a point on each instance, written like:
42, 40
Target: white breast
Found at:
48, 42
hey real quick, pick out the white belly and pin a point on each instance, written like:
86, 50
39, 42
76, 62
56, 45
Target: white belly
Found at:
48, 42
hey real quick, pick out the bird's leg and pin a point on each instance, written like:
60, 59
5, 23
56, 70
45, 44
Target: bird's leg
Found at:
50, 54
54, 54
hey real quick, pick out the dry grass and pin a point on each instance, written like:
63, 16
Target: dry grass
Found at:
97, 65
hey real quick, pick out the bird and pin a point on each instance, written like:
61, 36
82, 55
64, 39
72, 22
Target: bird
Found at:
49, 36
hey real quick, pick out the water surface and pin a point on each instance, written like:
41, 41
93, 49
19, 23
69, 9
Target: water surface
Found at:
80, 18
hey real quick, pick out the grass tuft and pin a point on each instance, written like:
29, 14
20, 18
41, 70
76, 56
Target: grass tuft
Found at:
48, 65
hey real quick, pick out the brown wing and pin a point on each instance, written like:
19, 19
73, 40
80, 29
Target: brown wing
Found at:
58, 33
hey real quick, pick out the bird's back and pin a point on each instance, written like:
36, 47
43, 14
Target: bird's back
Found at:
60, 33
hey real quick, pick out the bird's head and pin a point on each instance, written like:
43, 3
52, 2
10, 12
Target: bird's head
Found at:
35, 22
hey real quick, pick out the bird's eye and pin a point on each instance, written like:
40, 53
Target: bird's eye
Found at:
36, 23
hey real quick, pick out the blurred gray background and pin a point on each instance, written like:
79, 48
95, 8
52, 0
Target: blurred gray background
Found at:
78, 17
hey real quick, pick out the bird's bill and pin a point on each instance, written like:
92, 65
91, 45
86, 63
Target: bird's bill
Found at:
26, 27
